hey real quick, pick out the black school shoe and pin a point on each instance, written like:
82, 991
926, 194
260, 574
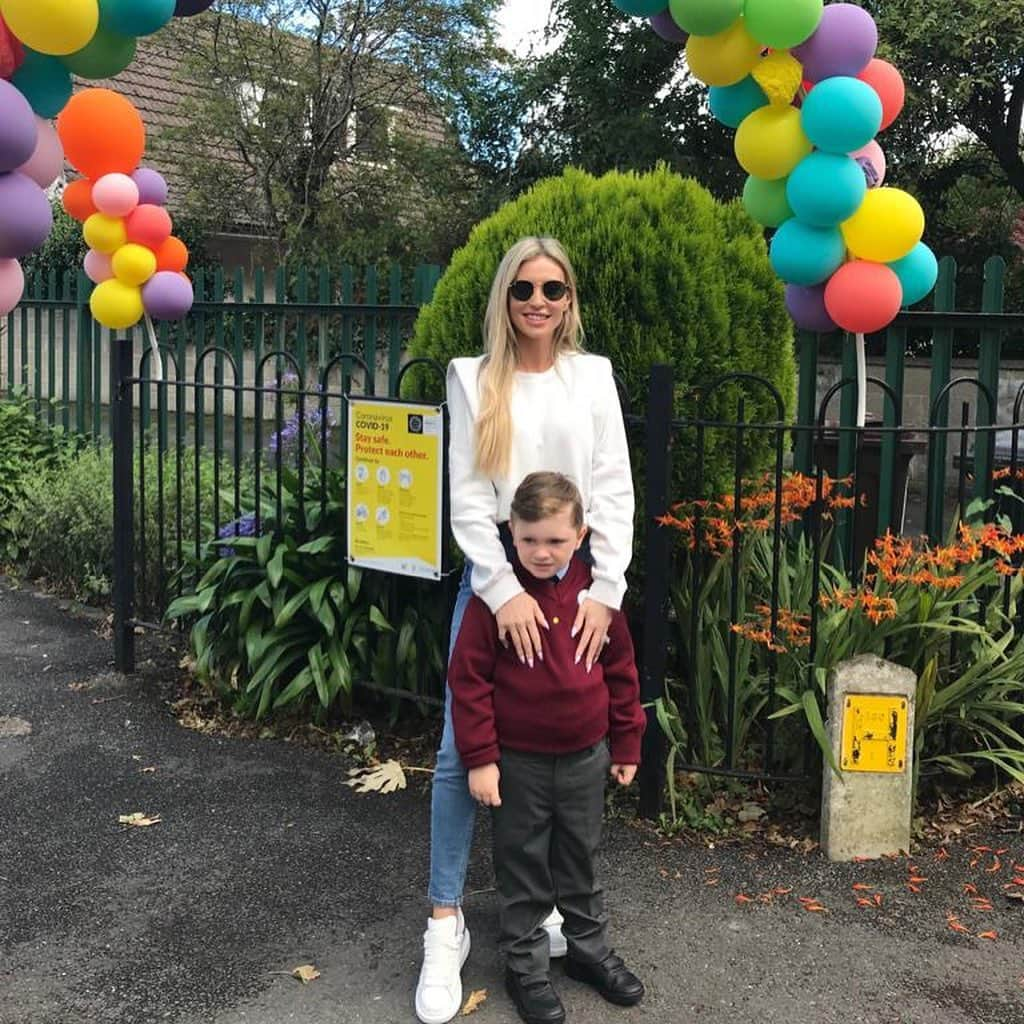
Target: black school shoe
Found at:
610, 977
536, 1000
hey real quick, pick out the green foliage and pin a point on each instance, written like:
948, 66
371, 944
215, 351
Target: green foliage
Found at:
279, 621
666, 274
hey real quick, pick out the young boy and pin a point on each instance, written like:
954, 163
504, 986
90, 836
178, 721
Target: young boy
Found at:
533, 740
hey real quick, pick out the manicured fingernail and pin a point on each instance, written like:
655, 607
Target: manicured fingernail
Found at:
530, 662
577, 661
541, 655
572, 633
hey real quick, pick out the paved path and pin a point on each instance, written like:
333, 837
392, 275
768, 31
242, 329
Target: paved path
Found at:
263, 861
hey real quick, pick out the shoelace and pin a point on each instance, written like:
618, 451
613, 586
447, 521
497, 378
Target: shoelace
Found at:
439, 955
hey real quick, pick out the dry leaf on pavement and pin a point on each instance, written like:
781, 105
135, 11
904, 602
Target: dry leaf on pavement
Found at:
306, 973
138, 820
474, 1002
379, 778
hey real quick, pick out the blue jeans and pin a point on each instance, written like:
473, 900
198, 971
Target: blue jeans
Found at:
452, 809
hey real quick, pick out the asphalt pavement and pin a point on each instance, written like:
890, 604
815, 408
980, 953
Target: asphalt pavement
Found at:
263, 861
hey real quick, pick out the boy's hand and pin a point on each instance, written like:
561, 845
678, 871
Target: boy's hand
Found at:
623, 774
483, 785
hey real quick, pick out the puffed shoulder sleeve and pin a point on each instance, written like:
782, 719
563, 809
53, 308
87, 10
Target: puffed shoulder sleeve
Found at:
611, 495
474, 500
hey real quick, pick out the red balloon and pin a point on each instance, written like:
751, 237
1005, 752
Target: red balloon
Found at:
77, 199
148, 225
863, 297
888, 83
12, 53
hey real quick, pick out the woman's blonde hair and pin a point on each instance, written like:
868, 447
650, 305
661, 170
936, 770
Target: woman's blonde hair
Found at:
501, 350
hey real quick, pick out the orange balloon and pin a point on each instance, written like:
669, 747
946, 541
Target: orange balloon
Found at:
172, 255
102, 133
77, 199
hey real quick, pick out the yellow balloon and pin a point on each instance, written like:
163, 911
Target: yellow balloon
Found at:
724, 59
770, 142
116, 305
134, 264
888, 224
58, 27
104, 233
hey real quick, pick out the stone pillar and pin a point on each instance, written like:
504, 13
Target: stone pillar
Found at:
866, 810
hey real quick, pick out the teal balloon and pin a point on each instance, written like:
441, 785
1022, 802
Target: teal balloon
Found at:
825, 189
705, 17
733, 104
805, 255
44, 82
641, 8
135, 17
105, 55
918, 271
766, 201
841, 114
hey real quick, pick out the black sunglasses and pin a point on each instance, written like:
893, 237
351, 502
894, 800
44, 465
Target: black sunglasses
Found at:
522, 291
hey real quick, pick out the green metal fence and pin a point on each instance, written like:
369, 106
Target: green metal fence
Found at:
56, 352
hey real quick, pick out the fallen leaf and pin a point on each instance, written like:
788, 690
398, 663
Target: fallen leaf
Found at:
380, 778
914, 888
878, 899
781, 890
917, 879
863, 887
942, 854
306, 973
997, 865
815, 908
954, 922
742, 897
863, 860
712, 881
138, 820
864, 902
474, 1002
971, 889
988, 935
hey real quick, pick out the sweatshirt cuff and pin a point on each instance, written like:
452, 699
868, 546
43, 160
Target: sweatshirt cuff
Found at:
625, 749
478, 758
501, 590
608, 593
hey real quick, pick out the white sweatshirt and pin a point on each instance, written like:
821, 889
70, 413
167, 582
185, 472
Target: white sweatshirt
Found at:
567, 420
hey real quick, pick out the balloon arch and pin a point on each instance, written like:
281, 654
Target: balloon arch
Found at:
801, 85
136, 263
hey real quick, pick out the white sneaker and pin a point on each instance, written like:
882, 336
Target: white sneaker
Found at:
439, 990
552, 924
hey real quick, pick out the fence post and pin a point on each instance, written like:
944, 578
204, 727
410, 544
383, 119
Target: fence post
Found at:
989, 353
942, 365
807, 400
657, 440
124, 522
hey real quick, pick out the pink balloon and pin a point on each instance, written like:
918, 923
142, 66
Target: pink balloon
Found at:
47, 160
98, 267
115, 195
872, 159
12, 284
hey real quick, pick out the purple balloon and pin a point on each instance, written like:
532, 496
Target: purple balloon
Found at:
152, 186
664, 24
167, 295
17, 128
842, 44
186, 8
25, 216
807, 308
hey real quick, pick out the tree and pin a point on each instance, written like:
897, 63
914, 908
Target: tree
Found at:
329, 122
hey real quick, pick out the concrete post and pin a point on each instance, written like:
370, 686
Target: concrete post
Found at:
866, 811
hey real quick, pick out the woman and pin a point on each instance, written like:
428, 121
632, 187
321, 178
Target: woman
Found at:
533, 401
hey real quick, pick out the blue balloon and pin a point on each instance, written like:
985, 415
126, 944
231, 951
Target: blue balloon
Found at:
44, 82
841, 114
135, 17
825, 189
805, 255
918, 272
733, 104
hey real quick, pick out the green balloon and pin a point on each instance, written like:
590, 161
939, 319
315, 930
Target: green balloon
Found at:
104, 56
705, 17
135, 17
641, 8
766, 201
782, 25
44, 82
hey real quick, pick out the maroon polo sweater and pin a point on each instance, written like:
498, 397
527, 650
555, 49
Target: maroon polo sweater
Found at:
556, 707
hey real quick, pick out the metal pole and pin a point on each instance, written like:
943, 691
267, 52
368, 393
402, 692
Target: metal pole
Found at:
657, 440
124, 523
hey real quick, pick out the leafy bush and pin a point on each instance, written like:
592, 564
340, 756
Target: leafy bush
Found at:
666, 274
280, 620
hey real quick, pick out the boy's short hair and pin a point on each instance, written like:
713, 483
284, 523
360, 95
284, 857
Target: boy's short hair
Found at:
545, 494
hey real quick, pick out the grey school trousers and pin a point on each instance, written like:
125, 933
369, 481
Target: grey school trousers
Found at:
546, 833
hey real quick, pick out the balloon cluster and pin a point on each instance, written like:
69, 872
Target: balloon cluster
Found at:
134, 259
800, 83
42, 43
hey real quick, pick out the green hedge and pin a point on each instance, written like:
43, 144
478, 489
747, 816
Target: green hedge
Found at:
666, 274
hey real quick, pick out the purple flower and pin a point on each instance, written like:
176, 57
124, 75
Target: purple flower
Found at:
243, 526
288, 435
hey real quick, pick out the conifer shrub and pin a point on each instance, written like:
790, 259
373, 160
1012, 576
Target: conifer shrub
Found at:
666, 274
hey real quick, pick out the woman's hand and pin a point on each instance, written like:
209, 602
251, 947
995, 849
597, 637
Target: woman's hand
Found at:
483, 785
518, 619
593, 619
